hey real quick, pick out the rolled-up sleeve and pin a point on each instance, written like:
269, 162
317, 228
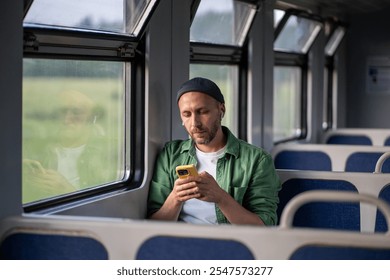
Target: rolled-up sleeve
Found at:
262, 193
161, 184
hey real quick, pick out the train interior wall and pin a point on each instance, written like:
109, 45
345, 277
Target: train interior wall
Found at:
368, 91
10, 107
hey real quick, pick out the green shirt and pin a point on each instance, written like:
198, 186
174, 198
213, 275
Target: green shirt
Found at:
246, 172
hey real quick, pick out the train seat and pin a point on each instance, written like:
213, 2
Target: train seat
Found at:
192, 248
344, 216
323, 157
357, 136
337, 245
365, 162
387, 142
380, 224
303, 160
69, 237
124, 239
47, 244
295, 182
321, 252
349, 140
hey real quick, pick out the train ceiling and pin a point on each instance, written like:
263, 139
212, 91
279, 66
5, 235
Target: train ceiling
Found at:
345, 6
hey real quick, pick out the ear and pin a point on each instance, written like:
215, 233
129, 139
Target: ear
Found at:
222, 108
97, 113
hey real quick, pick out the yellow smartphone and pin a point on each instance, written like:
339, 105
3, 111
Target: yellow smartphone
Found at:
184, 171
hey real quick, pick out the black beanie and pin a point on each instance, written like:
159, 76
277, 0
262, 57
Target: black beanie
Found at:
201, 85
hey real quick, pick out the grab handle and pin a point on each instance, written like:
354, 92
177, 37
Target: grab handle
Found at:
381, 160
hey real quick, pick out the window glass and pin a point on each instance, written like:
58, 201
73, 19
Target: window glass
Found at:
278, 15
334, 40
223, 22
287, 102
118, 16
297, 35
328, 97
226, 77
73, 126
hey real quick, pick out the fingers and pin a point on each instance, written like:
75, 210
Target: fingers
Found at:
186, 191
34, 166
188, 197
187, 194
200, 187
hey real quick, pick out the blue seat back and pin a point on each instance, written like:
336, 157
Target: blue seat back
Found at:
331, 215
303, 160
387, 142
340, 253
187, 248
349, 140
365, 162
380, 224
38, 246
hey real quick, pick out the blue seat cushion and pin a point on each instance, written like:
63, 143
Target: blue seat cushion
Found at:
380, 224
188, 248
303, 160
317, 252
365, 162
349, 140
33, 246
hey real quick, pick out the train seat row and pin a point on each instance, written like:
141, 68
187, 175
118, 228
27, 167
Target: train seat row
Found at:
335, 215
324, 157
352, 168
357, 136
69, 237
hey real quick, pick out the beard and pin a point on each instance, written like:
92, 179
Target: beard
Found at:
203, 136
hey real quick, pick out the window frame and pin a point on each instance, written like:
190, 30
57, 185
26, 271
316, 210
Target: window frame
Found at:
54, 43
300, 14
256, 6
330, 75
301, 60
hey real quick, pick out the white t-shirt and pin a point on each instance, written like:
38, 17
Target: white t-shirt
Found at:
197, 211
67, 163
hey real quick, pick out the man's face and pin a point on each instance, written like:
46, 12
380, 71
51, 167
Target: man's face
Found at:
75, 115
201, 115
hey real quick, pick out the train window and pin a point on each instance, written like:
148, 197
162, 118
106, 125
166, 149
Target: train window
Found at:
116, 16
287, 100
278, 15
226, 76
335, 32
330, 79
224, 22
73, 126
297, 34
294, 36
78, 60
334, 40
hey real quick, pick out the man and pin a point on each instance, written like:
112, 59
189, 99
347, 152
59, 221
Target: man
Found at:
237, 182
75, 159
